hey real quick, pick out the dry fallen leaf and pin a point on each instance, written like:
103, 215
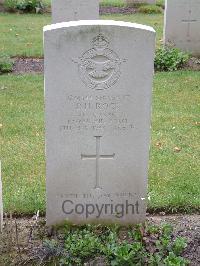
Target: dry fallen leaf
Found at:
159, 144
3, 87
177, 149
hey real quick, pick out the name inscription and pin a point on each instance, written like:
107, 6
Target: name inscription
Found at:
97, 113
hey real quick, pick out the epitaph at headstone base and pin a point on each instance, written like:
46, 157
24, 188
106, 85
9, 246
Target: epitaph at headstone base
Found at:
98, 80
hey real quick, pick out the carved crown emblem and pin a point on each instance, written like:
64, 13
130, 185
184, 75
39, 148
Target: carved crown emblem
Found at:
100, 42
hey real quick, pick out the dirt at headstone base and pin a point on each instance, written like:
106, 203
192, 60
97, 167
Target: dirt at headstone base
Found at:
117, 10
31, 235
2, 8
28, 65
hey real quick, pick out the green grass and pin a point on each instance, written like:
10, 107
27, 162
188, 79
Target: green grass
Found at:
174, 177
118, 3
21, 35
150, 9
22, 144
153, 20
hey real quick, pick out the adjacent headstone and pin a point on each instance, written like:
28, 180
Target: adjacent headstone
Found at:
131, 2
70, 10
1, 203
98, 83
182, 25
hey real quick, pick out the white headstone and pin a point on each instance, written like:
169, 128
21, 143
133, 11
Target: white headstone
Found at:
98, 83
182, 25
1, 203
70, 10
130, 2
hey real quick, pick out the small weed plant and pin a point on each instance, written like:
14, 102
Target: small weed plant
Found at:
150, 9
6, 64
169, 59
139, 245
160, 3
10, 5
28, 6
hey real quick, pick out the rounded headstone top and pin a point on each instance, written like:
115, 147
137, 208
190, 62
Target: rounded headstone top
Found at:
98, 23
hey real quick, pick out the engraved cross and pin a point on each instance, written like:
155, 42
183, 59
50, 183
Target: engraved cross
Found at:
189, 21
97, 157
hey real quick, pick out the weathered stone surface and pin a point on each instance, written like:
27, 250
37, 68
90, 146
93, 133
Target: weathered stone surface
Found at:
182, 25
98, 81
69, 10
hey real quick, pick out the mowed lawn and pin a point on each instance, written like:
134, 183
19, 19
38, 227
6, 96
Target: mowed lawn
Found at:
174, 175
21, 35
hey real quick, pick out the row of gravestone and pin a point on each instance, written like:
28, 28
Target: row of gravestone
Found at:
182, 19
98, 83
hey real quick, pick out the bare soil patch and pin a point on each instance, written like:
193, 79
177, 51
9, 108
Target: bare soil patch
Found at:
118, 10
28, 65
2, 9
187, 226
193, 64
17, 248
